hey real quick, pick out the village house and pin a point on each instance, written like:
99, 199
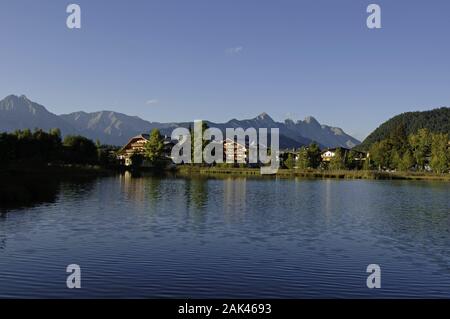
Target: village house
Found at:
328, 154
360, 156
136, 145
239, 153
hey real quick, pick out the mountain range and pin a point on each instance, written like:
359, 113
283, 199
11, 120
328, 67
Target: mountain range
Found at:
18, 112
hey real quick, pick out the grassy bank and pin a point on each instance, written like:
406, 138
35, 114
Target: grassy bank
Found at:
321, 174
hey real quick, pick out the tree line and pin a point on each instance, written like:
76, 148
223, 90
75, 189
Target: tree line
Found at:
419, 151
41, 147
310, 157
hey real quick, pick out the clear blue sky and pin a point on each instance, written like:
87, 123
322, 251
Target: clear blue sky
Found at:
170, 60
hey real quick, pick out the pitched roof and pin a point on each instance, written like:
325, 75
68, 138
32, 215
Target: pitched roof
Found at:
133, 139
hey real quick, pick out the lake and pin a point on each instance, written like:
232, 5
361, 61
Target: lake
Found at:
167, 237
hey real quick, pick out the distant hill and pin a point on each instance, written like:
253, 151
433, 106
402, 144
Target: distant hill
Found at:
18, 112
324, 134
288, 139
437, 120
117, 128
110, 127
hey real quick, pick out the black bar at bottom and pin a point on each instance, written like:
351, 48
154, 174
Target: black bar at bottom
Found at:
223, 308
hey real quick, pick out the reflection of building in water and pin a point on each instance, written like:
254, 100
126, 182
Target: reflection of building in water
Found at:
143, 190
234, 200
134, 188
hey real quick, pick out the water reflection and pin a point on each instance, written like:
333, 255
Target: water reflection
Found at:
25, 203
196, 199
2, 241
34, 190
161, 236
234, 197
133, 185
165, 194
25, 192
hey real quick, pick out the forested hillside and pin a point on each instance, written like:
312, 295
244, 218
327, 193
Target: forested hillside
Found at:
435, 121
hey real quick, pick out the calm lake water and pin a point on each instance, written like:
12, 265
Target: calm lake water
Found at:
231, 237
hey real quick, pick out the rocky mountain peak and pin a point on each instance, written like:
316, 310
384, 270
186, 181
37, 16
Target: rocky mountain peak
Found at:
311, 120
264, 117
110, 127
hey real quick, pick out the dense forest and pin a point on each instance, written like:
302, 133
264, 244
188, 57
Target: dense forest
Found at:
41, 148
435, 121
421, 151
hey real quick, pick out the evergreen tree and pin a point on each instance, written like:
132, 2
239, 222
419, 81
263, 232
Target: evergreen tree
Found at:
436, 121
154, 148
289, 163
399, 139
314, 153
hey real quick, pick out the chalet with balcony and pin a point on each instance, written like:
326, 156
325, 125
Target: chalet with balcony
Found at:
235, 152
136, 145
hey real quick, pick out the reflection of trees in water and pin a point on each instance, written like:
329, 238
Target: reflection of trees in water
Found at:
143, 189
19, 194
30, 192
196, 196
2, 240
77, 187
199, 193
27, 191
416, 218
400, 216
153, 188
196, 190
164, 194
155, 191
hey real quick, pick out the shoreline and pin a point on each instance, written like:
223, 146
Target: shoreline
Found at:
26, 186
89, 171
314, 174
92, 171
